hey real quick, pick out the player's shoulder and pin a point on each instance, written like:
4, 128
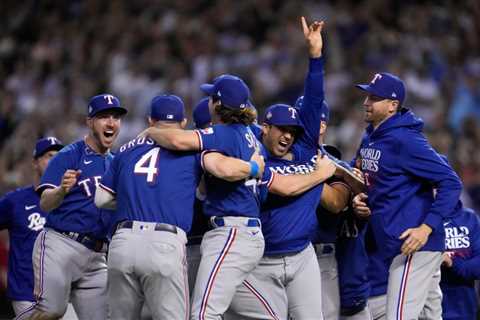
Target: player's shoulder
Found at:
135, 144
19, 193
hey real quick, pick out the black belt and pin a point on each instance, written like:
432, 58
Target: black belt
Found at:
128, 224
86, 240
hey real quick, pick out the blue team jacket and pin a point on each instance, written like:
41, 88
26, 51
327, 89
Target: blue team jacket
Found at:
463, 243
401, 168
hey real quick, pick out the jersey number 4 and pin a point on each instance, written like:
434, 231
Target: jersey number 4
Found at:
147, 165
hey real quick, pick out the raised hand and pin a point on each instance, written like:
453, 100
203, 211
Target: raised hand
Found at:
313, 36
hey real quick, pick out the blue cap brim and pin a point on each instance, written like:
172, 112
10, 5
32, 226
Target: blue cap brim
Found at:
207, 88
367, 88
120, 110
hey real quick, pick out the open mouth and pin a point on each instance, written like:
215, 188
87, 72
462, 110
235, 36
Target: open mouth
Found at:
283, 144
108, 133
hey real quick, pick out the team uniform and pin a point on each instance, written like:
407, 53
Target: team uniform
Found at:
155, 191
20, 213
462, 243
69, 255
400, 167
352, 260
234, 247
287, 280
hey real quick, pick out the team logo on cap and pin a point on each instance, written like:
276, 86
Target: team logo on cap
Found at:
109, 98
169, 116
394, 95
269, 115
89, 109
219, 93
375, 77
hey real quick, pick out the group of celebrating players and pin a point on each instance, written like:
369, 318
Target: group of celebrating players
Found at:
244, 221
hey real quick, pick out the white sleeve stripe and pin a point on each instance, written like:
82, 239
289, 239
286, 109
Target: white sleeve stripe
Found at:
46, 185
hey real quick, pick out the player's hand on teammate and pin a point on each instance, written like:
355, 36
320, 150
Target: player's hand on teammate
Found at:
415, 238
258, 158
69, 180
360, 207
324, 165
359, 174
313, 36
447, 260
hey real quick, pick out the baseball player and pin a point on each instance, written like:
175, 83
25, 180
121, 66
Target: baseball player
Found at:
461, 265
406, 221
155, 192
69, 254
20, 213
234, 247
289, 269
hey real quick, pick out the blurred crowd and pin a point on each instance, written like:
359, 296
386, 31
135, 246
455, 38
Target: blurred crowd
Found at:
54, 55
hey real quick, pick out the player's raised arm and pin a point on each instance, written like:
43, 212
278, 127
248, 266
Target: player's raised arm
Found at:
52, 198
173, 138
312, 105
313, 37
233, 169
293, 185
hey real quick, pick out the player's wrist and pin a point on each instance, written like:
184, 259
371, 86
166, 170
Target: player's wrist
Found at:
254, 168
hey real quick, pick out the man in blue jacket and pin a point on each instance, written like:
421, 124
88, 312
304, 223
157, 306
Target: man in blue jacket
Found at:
461, 265
400, 168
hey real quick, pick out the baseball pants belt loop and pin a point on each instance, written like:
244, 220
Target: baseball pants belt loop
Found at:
86, 240
234, 221
128, 224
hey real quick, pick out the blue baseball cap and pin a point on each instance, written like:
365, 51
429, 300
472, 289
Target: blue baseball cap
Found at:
324, 112
46, 144
167, 107
282, 115
104, 102
201, 115
232, 91
385, 85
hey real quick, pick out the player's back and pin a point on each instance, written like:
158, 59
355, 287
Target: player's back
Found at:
226, 198
154, 184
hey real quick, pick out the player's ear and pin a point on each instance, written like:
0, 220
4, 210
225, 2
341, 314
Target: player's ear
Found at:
183, 124
265, 128
89, 122
151, 122
395, 105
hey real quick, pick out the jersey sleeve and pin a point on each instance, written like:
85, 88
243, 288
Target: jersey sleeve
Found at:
214, 138
423, 162
6, 208
57, 166
469, 269
110, 177
310, 112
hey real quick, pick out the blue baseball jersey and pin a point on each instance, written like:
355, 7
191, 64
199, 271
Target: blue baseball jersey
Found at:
462, 242
288, 223
77, 212
400, 170
352, 261
224, 198
20, 213
153, 184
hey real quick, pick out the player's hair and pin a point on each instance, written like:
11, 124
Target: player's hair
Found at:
227, 115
